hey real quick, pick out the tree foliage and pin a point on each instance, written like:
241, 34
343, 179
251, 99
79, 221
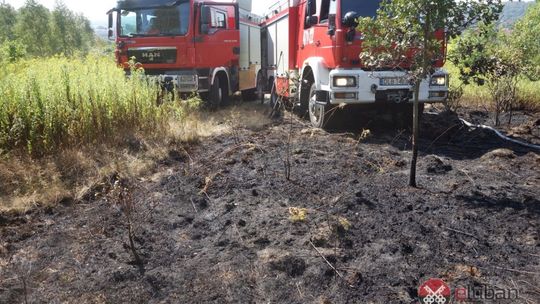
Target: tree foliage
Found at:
8, 16
71, 32
12, 50
36, 31
526, 37
33, 28
487, 55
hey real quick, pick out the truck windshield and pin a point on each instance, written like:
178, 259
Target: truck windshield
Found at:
364, 8
162, 21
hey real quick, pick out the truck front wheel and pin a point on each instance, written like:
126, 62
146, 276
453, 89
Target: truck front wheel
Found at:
320, 114
219, 93
302, 108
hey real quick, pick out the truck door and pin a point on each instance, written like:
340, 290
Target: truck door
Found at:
217, 39
317, 38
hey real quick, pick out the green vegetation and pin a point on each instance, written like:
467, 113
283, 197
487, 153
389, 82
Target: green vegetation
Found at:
67, 124
525, 37
478, 96
50, 104
69, 117
34, 30
499, 65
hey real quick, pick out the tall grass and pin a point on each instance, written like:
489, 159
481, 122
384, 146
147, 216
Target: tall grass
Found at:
54, 103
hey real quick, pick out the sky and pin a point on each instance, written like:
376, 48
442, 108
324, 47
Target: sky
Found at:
96, 10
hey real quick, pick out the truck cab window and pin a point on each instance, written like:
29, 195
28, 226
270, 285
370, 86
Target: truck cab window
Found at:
161, 21
311, 11
366, 8
219, 19
325, 9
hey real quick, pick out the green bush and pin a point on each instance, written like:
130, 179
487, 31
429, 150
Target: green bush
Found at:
12, 51
490, 67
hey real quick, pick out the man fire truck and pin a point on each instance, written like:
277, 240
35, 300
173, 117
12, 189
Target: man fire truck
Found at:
195, 46
311, 55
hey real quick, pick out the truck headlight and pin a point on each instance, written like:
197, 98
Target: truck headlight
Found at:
438, 80
345, 81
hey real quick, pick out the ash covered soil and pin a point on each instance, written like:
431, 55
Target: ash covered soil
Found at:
220, 222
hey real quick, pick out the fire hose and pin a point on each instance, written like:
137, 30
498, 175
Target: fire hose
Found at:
501, 135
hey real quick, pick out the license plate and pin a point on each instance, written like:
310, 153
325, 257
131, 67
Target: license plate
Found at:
395, 81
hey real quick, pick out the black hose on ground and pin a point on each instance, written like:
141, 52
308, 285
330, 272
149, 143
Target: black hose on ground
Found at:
501, 135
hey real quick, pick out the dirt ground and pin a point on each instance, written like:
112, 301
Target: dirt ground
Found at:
221, 223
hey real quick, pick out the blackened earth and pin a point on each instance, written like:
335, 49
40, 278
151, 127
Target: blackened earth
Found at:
216, 225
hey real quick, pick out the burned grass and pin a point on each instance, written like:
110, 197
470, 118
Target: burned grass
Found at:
225, 225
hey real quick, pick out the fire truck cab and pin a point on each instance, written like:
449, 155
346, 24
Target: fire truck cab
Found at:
192, 46
311, 55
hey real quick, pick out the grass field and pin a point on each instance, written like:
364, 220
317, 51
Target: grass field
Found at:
59, 103
528, 92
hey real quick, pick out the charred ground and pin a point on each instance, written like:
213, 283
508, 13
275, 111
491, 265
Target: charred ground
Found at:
221, 223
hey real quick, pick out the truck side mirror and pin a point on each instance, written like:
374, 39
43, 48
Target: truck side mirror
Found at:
350, 19
110, 28
205, 28
331, 31
206, 16
311, 20
331, 25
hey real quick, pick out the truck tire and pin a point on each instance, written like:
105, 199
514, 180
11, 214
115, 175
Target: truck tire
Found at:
321, 116
302, 109
219, 94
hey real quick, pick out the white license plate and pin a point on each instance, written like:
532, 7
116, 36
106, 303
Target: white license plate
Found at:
395, 81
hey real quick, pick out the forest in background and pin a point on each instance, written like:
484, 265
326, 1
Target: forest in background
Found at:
513, 11
34, 30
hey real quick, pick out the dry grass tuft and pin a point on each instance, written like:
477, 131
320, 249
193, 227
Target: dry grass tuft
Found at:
68, 176
297, 214
78, 173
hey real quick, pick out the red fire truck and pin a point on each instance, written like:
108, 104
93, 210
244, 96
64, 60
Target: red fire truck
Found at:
210, 48
311, 55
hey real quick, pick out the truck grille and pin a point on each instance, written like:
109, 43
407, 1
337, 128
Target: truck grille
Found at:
153, 55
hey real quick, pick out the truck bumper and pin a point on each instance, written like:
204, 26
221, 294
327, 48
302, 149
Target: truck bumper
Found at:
390, 87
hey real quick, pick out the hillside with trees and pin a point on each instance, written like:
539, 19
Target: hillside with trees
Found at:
513, 11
